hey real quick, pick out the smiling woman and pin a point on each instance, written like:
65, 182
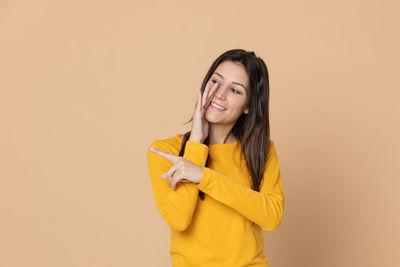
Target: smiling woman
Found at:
231, 97
219, 185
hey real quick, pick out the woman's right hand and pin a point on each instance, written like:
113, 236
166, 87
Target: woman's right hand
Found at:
200, 125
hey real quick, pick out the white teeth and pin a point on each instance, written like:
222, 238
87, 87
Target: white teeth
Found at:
217, 106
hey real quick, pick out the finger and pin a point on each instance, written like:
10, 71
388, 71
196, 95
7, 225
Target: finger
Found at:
198, 105
210, 95
168, 156
174, 181
167, 177
170, 172
204, 96
176, 178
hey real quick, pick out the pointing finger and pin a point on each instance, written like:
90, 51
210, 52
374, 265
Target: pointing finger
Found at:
168, 156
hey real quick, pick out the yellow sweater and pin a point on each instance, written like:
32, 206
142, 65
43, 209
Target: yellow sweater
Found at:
224, 229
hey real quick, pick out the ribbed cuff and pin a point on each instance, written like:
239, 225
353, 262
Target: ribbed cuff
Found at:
196, 152
205, 179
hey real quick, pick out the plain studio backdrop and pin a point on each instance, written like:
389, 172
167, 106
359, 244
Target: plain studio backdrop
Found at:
86, 86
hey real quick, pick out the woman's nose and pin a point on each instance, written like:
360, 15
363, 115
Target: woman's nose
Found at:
221, 91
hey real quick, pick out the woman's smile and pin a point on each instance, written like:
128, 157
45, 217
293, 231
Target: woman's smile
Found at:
217, 107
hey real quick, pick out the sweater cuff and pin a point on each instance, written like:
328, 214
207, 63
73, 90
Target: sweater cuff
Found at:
205, 179
196, 152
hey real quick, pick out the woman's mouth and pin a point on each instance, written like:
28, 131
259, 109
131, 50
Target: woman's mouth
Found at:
217, 107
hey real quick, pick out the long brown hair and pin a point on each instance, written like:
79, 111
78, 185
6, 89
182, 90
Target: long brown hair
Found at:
252, 129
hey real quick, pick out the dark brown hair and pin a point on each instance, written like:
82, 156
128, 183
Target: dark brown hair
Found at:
252, 129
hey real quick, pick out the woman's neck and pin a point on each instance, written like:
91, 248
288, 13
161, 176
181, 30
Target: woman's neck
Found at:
220, 134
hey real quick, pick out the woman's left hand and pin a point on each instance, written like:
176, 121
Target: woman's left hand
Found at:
183, 170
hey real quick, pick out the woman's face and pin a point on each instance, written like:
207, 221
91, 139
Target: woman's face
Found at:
232, 93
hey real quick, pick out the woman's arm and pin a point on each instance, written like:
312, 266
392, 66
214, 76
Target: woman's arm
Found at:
264, 208
175, 206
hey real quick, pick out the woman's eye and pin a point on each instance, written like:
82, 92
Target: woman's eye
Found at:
236, 91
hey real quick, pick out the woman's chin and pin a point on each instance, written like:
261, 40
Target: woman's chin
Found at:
212, 118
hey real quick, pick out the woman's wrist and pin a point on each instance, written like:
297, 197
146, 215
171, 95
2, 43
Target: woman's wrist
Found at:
197, 140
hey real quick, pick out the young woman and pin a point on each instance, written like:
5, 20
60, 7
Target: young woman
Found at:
218, 185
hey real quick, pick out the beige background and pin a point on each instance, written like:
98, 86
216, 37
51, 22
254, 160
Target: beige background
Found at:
86, 86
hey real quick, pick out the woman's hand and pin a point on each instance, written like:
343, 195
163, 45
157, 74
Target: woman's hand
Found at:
200, 126
183, 170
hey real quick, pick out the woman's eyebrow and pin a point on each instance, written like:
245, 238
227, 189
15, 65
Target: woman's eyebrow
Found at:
232, 82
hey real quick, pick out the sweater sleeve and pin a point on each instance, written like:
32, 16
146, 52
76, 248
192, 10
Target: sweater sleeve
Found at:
175, 206
264, 208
